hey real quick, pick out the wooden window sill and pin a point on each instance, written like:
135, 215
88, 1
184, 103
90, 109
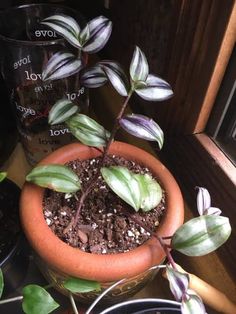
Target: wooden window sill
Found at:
195, 160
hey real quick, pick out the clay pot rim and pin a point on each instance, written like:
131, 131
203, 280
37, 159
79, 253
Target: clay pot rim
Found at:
109, 267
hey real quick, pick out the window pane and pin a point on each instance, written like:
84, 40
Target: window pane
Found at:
222, 123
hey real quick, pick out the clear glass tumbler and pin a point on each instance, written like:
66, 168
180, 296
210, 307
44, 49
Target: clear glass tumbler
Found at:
26, 46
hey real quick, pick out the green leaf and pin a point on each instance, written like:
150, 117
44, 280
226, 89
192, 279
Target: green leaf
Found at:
143, 127
2, 176
1, 282
56, 177
84, 35
139, 66
192, 304
87, 130
201, 235
66, 26
77, 285
61, 65
156, 89
124, 184
139, 191
150, 191
62, 110
36, 300
99, 32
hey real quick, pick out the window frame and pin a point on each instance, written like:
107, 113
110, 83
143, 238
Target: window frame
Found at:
196, 160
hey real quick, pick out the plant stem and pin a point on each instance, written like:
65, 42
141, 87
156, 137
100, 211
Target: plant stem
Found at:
168, 254
160, 239
116, 126
104, 154
79, 53
73, 304
19, 298
49, 286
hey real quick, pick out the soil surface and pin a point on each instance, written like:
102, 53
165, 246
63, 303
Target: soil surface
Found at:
9, 217
106, 223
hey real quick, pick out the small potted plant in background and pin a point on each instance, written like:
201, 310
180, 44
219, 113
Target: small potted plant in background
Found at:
87, 178
13, 250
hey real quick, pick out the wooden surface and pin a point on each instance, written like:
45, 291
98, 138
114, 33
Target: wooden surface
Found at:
188, 43
210, 268
199, 162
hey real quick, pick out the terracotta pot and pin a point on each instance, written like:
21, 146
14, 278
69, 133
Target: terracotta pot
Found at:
68, 261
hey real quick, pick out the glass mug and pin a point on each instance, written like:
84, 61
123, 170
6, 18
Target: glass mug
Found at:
26, 46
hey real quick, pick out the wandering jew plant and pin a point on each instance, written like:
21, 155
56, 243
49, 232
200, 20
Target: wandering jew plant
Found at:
196, 237
139, 191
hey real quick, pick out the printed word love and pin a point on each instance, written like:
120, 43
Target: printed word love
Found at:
58, 132
45, 33
33, 76
22, 61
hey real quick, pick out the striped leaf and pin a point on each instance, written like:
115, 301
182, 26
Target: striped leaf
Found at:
139, 191
61, 65
143, 127
139, 66
56, 177
201, 235
93, 77
1, 283
78, 285
204, 203
203, 200
2, 176
87, 130
116, 76
84, 35
178, 281
192, 304
212, 211
150, 191
62, 110
65, 26
36, 300
156, 89
123, 183
99, 32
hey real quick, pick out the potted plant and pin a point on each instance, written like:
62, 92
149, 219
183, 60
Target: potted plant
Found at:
128, 184
98, 145
13, 252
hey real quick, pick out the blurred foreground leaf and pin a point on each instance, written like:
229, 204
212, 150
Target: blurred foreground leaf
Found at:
36, 300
